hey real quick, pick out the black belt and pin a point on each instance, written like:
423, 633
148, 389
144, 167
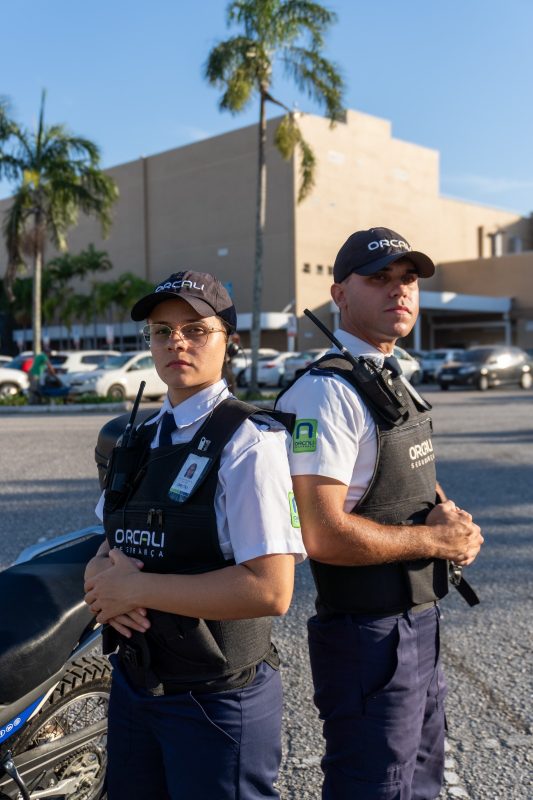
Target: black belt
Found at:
136, 669
394, 612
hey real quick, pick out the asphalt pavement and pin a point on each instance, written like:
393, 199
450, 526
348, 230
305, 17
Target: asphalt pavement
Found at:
484, 448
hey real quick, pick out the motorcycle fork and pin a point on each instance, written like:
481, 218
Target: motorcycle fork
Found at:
7, 766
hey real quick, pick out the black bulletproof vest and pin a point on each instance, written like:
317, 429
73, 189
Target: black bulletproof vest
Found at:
402, 491
181, 538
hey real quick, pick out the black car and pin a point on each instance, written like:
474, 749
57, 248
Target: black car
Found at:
483, 367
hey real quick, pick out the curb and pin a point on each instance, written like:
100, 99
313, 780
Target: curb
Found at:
71, 408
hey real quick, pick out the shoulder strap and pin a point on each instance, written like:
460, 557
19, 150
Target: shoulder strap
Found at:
283, 417
214, 434
376, 386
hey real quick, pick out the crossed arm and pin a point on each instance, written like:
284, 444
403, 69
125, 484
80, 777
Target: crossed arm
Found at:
333, 536
118, 592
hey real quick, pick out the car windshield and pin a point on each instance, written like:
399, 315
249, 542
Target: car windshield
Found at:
115, 362
478, 355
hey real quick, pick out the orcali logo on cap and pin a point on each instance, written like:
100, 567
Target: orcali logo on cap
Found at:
388, 243
180, 285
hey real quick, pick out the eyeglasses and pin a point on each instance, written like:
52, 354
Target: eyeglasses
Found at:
195, 333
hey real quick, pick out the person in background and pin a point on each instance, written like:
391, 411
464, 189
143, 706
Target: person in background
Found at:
41, 367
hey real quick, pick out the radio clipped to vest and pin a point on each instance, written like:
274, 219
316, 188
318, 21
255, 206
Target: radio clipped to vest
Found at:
126, 459
377, 388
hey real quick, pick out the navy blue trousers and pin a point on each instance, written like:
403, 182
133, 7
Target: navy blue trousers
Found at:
380, 692
218, 746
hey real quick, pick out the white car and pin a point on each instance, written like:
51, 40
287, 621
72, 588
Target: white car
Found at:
119, 378
243, 358
80, 360
13, 382
299, 361
434, 360
411, 368
270, 371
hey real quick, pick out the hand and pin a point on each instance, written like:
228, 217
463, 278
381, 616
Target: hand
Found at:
110, 593
136, 620
456, 536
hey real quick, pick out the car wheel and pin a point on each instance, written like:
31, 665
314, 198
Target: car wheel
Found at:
526, 380
116, 392
483, 383
444, 386
8, 389
242, 383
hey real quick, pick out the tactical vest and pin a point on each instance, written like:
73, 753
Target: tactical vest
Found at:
180, 652
402, 491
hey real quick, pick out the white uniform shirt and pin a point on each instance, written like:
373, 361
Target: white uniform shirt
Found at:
335, 435
254, 492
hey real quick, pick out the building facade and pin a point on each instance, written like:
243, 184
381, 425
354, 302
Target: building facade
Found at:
194, 208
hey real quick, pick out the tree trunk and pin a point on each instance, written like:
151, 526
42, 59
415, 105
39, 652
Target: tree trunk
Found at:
37, 290
255, 334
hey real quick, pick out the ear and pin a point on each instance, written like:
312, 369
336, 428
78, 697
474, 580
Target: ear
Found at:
337, 294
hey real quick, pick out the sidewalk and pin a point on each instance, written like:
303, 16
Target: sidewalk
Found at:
68, 408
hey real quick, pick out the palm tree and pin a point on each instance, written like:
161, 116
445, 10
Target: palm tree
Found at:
56, 176
123, 293
65, 268
291, 33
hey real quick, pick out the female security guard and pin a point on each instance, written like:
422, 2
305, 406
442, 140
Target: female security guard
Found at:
194, 564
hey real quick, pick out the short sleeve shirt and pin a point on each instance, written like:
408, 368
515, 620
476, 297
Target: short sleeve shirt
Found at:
335, 435
254, 504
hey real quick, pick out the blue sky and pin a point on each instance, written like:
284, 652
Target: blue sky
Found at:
454, 75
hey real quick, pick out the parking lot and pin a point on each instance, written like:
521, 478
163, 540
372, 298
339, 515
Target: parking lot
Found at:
484, 447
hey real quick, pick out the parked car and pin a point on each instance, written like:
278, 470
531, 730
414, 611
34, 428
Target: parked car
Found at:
12, 382
5, 360
295, 366
411, 367
80, 360
270, 371
23, 361
119, 378
299, 361
484, 367
243, 358
434, 360
66, 360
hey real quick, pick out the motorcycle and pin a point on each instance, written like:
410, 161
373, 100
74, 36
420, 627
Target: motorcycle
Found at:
54, 684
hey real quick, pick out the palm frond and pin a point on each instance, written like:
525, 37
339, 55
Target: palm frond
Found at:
317, 77
297, 17
307, 170
11, 167
14, 224
287, 138
238, 66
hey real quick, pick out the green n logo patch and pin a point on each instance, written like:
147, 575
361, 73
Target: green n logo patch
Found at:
304, 436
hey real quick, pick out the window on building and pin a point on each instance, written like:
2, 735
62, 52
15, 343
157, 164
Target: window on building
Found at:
307, 268
330, 270
515, 244
496, 243
319, 269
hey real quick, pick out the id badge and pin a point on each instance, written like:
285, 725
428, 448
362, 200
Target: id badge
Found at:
187, 478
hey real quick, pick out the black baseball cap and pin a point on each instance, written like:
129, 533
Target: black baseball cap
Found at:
366, 252
200, 290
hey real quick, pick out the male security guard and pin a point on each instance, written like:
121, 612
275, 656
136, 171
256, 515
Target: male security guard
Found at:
363, 471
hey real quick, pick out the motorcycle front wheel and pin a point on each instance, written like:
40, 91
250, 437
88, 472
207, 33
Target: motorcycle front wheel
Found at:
80, 700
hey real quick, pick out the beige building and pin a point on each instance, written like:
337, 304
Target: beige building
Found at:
194, 208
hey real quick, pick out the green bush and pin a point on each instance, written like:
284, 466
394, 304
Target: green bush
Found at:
16, 400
